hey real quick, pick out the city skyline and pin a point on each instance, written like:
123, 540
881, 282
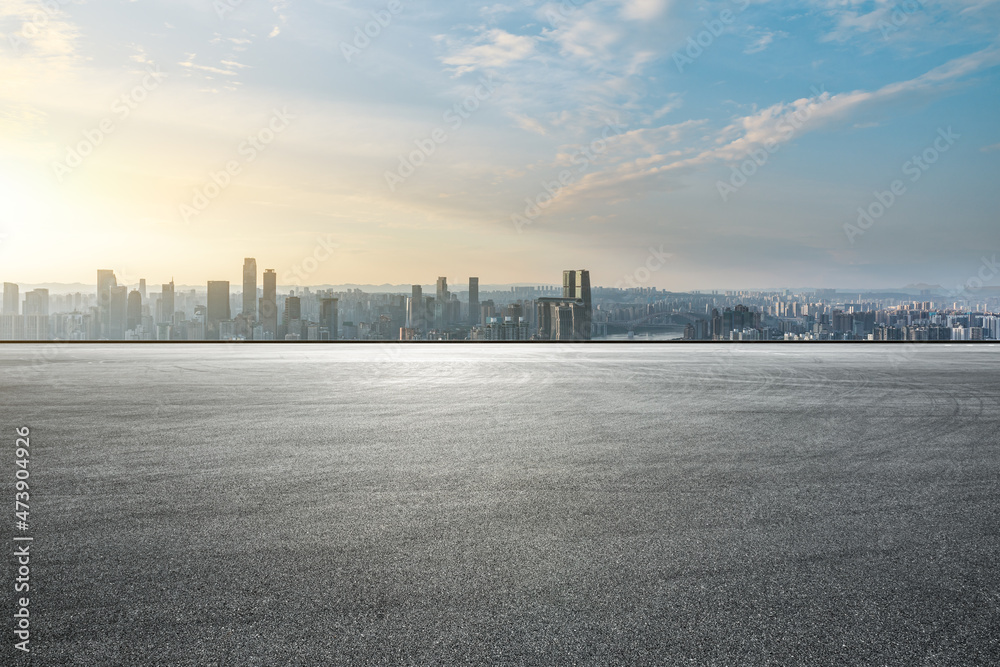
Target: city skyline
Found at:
758, 144
576, 311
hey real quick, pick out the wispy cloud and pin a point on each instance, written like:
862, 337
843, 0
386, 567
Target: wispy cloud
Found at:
191, 65
778, 124
763, 40
495, 49
643, 10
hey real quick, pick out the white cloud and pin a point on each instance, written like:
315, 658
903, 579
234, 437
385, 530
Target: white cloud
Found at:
764, 40
585, 37
643, 10
191, 65
499, 49
529, 124
778, 124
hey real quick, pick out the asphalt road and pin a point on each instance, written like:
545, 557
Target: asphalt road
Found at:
508, 505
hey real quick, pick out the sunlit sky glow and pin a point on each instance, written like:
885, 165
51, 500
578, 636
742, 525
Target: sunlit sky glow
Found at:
838, 95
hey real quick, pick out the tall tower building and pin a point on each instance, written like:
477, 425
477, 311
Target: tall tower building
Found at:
133, 310
105, 281
269, 305
166, 314
250, 288
474, 301
142, 288
576, 285
11, 299
328, 316
218, 307
568, 318
293, 309
416, 309
117, 312
291, 319
441, 302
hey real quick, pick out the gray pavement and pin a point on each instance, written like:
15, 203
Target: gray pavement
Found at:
509, 505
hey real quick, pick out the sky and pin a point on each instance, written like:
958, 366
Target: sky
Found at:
681, 145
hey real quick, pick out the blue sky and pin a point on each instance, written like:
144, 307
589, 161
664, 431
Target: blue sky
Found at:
638, 115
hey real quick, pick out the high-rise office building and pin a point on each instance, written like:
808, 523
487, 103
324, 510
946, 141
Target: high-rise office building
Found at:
166, 311
250, 288
576, 285
105, 281
328, 316
269, 305
567, 318
133, 310
142, 288
11, 299
416, 309
291, 318
36, 302
474, 301
293, 309
218, 308
441, 303
117, 312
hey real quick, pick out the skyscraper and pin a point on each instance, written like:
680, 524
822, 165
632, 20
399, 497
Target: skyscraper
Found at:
117, 312
576, 285
291, 319
328, 316
293, 309
218, 307
166, 314
11, 299
440, 302
416, 309
105, 281
134, 310
567, 318
269, 305
474, 301
250, 288
142, 288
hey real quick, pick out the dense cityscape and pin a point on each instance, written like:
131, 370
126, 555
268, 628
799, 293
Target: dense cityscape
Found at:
575, 311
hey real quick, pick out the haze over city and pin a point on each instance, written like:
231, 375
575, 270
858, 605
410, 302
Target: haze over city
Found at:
746, 139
